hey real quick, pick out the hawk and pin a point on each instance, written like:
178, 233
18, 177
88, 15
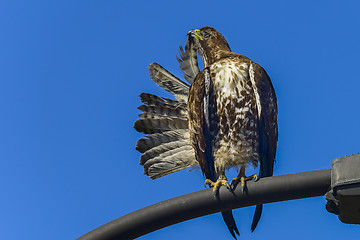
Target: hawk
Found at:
226, 117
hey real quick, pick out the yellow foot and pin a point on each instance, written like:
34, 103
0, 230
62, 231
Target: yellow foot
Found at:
242, 180
222, 181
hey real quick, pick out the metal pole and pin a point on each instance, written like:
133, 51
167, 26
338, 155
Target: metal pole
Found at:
197, 204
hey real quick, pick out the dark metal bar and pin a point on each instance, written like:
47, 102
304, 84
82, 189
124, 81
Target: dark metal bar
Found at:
182, 208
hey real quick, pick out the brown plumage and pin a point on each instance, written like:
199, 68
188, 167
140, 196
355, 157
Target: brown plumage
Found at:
232, 113
240, 105
227, 118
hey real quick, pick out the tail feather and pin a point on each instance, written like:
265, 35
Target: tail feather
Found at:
257, 216
230, 223
267, 162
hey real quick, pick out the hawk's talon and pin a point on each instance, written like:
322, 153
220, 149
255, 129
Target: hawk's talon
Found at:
228, 186
208, 183
241, 178
222, 181
235, 182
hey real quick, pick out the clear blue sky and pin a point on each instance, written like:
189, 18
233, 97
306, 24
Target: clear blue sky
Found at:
70, 76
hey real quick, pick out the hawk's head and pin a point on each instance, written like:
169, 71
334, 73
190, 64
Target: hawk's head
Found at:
208, 42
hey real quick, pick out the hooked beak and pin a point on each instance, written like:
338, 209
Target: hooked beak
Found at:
195, 34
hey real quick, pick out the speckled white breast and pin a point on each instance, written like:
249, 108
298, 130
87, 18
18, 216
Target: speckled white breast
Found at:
236, 139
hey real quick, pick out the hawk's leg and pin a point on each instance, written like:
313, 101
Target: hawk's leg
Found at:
242, 178
221, 181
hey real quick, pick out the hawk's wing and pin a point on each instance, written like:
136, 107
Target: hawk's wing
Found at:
268, 129
199, 122
169, 82
188, 60
166, 148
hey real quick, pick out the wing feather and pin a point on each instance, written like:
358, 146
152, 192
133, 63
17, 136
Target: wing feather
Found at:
170, 161
159, 124
166, 148
160, 149
200, 137
163, 111
153, 100
156, 139
268, 119
169, 82
188, 60
267, 124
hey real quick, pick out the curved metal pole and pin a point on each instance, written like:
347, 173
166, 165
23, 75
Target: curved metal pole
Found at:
197, 204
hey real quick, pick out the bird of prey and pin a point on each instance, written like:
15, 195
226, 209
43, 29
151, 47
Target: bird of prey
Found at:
226, 117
